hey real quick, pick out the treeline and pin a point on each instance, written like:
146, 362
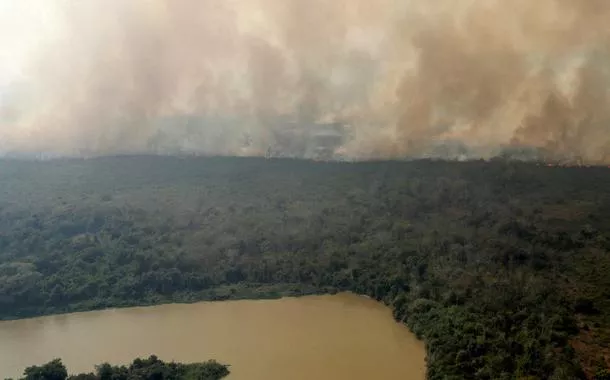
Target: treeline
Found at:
141, 369
500, 267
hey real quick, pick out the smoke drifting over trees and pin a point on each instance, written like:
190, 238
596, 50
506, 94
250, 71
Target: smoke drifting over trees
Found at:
404, 75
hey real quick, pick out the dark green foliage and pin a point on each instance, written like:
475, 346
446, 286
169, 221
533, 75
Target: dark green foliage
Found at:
54, 370
602, 374
487, 262
141, 369
585, 306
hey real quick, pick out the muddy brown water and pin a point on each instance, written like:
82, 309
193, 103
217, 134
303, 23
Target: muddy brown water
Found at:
332, 337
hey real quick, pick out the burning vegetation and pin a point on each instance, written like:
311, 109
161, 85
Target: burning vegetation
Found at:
104, 77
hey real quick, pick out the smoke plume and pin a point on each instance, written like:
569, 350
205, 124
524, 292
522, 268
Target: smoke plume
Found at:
406, 77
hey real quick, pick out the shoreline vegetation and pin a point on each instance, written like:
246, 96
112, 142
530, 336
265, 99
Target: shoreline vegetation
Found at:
276, 294
500, 267
233, 293
151, 368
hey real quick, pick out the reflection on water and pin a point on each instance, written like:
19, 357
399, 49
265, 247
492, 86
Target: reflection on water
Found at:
335, 337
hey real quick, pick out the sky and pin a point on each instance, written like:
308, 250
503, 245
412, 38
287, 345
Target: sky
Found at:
24, 25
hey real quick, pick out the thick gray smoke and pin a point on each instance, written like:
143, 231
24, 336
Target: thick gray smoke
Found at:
406, 77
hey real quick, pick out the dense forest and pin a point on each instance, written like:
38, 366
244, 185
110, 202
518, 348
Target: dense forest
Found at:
141, 369
500, 267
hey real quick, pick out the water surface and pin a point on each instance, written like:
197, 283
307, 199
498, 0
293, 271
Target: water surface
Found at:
334, 337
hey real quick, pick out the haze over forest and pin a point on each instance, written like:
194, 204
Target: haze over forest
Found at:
101, 77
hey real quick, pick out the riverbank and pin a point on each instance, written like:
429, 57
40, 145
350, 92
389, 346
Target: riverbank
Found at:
221, 293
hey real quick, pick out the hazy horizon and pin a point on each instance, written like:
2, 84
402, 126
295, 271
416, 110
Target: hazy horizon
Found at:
407, 78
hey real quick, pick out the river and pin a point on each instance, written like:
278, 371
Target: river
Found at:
332, 337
